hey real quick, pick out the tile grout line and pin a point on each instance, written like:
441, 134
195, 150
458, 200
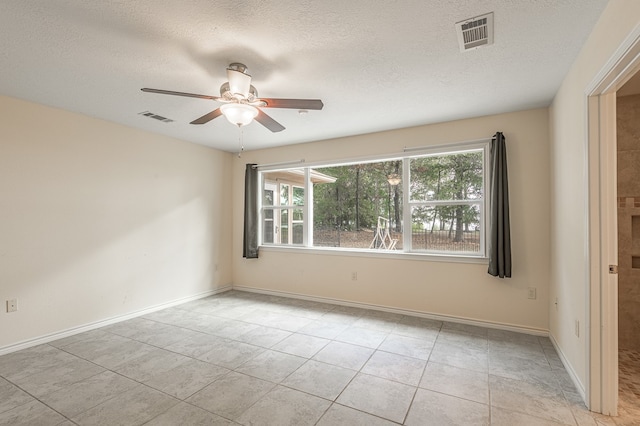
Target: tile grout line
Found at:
308, 320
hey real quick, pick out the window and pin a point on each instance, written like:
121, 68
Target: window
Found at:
446, 202
282, 207
428, 202
346, 212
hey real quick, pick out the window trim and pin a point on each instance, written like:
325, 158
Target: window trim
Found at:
405, 156
384, 254
407, 243
277, 210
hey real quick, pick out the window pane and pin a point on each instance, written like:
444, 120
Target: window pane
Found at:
446, 228
267, 199
298, 196
346, 212
297, 233
284, 227
267, 214
284, 195
267, 230
447, 177
297, 226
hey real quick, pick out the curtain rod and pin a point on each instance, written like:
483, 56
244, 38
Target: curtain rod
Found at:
422, 148
406, 149
284, 163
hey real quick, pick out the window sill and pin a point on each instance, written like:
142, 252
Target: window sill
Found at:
386, 254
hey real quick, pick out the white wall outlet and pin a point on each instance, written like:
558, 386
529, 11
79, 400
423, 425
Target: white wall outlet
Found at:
532, 293
12, 305
577, 328
354, 276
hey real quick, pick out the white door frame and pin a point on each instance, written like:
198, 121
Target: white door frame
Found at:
602, 230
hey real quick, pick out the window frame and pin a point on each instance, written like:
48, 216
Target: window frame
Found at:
408, 204
277, 208
407, 252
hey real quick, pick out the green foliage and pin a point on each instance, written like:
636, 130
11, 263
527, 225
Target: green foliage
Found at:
359, 195
298, 196
447, 178
362, 192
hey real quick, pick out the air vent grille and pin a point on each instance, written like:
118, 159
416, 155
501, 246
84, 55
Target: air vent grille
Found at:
475, 32
156, 116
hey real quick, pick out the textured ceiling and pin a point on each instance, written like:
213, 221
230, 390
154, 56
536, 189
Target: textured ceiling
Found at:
376, 65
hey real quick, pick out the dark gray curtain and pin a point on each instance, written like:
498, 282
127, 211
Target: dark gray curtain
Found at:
499, 231
250, 242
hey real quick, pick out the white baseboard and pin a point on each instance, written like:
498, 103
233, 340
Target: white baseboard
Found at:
468, 321
572, 373
92, 326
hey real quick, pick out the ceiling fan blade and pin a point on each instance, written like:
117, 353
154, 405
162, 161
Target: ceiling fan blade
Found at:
171, 92
292, 103
207, 117
268, 122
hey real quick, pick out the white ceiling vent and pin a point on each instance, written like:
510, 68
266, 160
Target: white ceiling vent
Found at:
475, 32
156, 116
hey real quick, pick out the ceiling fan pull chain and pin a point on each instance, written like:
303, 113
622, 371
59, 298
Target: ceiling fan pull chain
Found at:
240, 141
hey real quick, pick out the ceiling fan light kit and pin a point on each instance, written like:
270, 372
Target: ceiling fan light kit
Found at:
241, 104
239, 114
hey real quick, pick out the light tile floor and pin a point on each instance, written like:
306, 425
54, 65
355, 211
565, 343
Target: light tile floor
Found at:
251, 359
629, 383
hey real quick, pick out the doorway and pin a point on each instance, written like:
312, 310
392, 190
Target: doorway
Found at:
603, 380
628, 218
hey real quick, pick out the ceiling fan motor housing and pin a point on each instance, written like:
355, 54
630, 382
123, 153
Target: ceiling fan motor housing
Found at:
237, 66
228, 96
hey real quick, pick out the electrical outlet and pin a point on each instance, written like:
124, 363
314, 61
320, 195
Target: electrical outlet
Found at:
354, 276
577, 328
12, 305
532, 293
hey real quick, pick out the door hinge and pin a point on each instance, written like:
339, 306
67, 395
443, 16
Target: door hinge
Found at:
613, 269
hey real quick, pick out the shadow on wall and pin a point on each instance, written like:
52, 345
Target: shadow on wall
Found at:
101, 219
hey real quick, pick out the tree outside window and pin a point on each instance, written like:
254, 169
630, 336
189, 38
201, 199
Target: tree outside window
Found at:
443, 213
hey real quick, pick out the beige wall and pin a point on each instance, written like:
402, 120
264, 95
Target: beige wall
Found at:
444, 288
98, 220
569, 263
628, 147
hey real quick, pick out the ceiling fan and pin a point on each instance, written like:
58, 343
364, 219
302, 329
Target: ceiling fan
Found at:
241, 103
